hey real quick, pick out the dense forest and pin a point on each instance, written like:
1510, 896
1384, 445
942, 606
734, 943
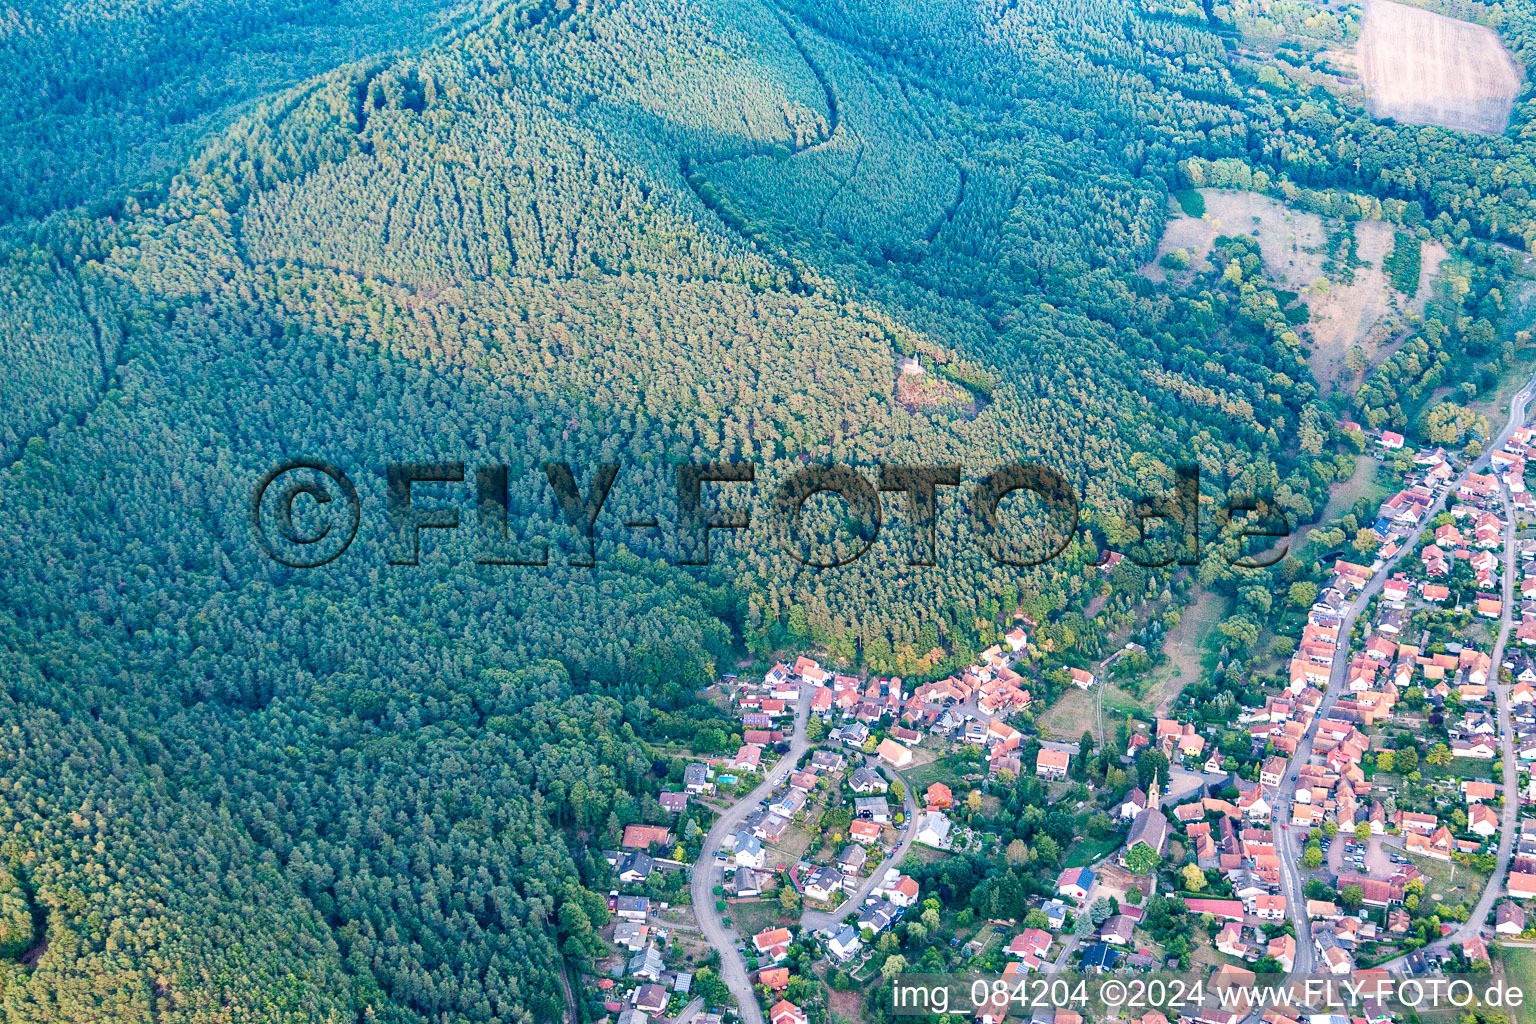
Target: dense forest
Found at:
108, 99
636, 233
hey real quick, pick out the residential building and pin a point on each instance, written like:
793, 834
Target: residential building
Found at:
639, 837
785, 1012
1052, 764
894, 753
932, 829
772, 943
1075, 883
844, 944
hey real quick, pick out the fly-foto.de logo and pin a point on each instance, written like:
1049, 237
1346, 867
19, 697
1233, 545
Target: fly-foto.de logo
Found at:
305, 513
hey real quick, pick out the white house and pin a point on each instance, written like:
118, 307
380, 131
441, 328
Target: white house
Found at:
933, 830
750, 853
844, 944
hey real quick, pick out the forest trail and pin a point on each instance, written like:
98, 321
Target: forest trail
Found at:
688, 163
570, 997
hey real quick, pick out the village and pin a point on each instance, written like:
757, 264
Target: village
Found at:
1371, 816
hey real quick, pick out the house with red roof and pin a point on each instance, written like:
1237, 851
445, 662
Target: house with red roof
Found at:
1268, 907
640, 837
1230, 910
864, 831
775, 978
772, 943
894, 753
1052, 764
785, 1012
1030, 941
811, 671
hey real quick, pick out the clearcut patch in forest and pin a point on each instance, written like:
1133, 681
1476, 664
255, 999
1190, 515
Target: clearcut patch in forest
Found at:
1337, 271
929, 391
1424, 68
1293, 241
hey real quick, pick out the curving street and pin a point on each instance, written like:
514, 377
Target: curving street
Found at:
823, 918
1511, 791
1287, 844
706, 874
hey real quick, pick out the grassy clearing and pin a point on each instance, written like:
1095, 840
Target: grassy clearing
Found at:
1188, 651
848, 1006
1077, 710
1456, 883
1463, 768
946, 768
1362, 483
1519, 968
751, 918
1084, 852
1074, 711
926, 854
791, 846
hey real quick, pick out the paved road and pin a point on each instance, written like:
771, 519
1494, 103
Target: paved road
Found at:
815, 919
690, 1011
1181, 783
733, 969
1287, 844
1474, 924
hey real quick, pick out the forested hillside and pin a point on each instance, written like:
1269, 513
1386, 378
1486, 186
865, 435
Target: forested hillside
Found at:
634, 232
106, 99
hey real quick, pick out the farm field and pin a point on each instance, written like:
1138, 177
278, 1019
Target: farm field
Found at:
1424, 68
